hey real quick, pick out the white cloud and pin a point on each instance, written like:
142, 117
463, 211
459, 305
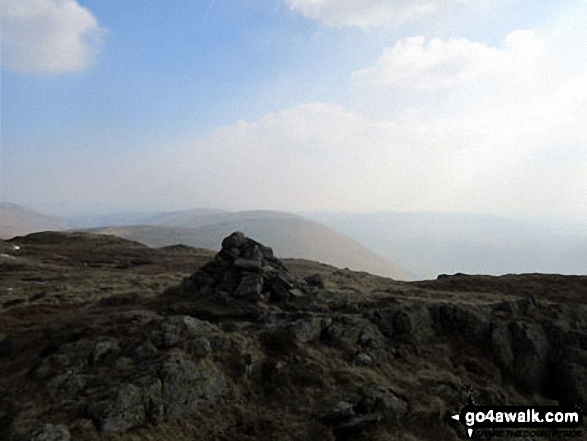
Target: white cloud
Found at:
370, 13
49, 36
322, 157
413, 63
514, 140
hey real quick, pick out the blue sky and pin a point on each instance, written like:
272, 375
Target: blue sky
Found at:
456, 105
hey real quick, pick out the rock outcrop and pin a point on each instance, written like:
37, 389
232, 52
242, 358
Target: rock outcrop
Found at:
246, 349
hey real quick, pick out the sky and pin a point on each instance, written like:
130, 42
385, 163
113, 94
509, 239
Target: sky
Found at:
295, 105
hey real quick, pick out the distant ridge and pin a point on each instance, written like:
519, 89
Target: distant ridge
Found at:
291, 235
136, 218
16, 220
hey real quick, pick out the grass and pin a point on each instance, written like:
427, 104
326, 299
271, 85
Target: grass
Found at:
70, 285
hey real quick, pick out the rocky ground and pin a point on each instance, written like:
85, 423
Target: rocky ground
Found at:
106, 339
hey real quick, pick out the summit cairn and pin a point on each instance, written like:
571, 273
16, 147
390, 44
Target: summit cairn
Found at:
244, 269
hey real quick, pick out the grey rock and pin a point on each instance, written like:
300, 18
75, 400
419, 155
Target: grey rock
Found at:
235, 240
103, 347
200, 347
250, 287
413, 324
75, 355
382, 400
122, 412
470, 322
248, 264
363, 359
144, 350
502, 347
380, 355
297, 293
229, 281
410, 324
280, 288
268, 255
123, 364
354, 331
73, 384
531, 349
177, 329
305, 330
339, 412
196, 327
48, 432
185, 386
222, 343
253, 253
181, 388
153, 400
527, 304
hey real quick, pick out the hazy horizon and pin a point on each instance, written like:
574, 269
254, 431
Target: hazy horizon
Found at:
70, 211
295, 105
66, 211
422, 244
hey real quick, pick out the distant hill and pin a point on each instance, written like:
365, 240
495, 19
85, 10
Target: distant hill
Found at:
188, 218
432, 243
137, 218
291, 236
16, 220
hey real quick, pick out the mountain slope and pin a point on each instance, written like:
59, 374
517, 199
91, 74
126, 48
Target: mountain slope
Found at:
17, 220
291, 235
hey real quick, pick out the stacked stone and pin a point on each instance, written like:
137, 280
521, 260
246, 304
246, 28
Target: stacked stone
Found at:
247, 270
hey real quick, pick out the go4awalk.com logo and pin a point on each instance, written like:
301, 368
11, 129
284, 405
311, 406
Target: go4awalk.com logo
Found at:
506, 421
